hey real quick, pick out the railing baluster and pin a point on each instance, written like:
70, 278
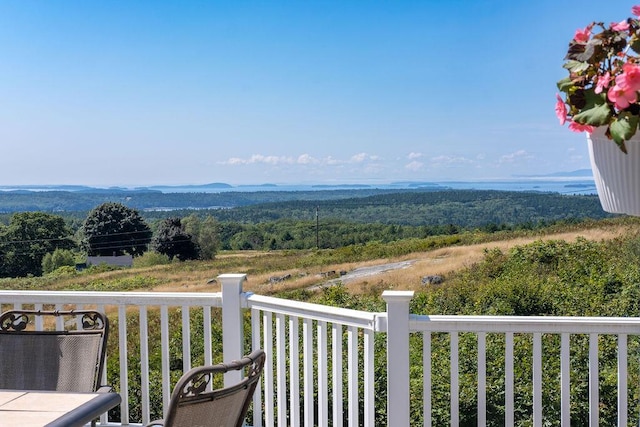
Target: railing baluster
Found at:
594, 395
124, 378
59, 320
207, 335
307, 342
426, 366
256, 344
482, 379
369, 379
39, 320
294, 369
509, 418
622, 380
281, 369
565, 380
164, 349
144, 364
537, 379
186, 339
454, 384
336, 350
268, 369
323, 388
352, 375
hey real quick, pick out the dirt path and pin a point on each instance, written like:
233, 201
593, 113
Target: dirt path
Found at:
407, 273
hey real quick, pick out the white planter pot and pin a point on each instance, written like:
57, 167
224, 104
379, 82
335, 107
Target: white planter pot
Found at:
616, 174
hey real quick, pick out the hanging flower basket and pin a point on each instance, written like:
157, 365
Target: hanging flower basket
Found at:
601, 96
616, 174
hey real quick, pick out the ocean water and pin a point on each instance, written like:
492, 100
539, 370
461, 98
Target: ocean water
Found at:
578, 186
585, 186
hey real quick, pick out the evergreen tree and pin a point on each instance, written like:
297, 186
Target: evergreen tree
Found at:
114, 229
172, 240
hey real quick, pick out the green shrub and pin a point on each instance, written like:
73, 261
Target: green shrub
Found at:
151, 258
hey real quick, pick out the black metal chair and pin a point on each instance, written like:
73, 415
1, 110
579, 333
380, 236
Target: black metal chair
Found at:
71, 359
194, 402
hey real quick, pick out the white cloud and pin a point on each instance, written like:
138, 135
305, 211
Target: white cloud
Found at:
413, 156
414, 166
331, 161
451, 160
306, 159
235, 161
359, 158
515, 156
259, 159
363, 157
302, 159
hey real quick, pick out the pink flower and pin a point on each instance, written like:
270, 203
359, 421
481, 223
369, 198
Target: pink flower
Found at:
603, 82
620, 26
629, 80
582, 35
621, 97
561, 110
636, 10
577, 127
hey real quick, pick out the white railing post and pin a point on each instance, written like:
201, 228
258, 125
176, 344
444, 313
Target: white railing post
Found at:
232, 324
397, 357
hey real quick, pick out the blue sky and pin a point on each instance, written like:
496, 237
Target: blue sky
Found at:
193, 92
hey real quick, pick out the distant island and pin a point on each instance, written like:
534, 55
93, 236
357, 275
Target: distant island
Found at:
580, 185
341, 186
212, 185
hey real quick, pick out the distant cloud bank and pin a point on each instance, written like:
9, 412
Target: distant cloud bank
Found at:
409, 165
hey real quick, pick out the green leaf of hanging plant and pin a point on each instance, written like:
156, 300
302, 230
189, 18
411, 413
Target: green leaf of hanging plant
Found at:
565, 84
598, 115
623, 128
576, 66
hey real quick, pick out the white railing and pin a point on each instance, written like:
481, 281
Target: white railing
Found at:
533, 330
149, 312
304, 330
321, 368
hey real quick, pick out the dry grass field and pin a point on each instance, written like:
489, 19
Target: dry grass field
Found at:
413, 266
260, 267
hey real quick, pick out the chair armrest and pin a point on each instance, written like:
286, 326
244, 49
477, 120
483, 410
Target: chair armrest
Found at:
155, 423
104, 389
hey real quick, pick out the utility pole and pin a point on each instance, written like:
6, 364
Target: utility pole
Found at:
317, 226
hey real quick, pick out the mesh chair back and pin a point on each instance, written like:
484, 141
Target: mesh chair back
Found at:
194, 403
64, 360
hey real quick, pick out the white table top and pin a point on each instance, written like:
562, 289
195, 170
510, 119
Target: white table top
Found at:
40, 408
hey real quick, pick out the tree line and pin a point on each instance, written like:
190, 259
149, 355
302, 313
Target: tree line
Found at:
34, 243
